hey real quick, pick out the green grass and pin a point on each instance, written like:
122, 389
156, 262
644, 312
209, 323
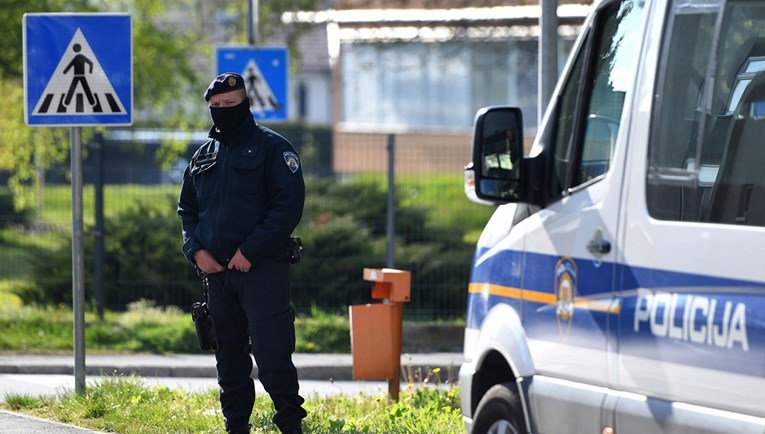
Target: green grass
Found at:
444, 196
117, 198
54, 223
126, 405
322, 332
442, 193
143, 328
18, 247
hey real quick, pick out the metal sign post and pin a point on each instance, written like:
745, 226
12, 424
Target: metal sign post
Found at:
390, 226
264, 70
252, 24
78, 260
548, 54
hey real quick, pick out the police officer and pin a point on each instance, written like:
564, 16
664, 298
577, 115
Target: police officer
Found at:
242, 196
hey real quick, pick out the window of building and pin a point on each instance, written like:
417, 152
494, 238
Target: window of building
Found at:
438, 86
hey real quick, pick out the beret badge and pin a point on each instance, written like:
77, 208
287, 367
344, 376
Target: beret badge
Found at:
226, 82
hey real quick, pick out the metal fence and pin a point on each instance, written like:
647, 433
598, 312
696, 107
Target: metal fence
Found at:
432, 235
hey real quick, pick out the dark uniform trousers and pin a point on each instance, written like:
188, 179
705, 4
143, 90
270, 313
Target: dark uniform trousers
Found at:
256, 305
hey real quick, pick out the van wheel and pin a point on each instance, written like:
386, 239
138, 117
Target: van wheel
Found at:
499, 412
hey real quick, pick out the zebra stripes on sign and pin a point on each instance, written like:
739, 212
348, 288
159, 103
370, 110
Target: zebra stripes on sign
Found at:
264, 70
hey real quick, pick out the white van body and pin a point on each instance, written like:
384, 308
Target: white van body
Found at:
620, 285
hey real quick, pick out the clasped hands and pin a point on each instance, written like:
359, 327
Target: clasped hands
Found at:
207, 263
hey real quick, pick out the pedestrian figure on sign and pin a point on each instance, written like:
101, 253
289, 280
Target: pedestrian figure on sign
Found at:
78, 63
252, 90
259, 102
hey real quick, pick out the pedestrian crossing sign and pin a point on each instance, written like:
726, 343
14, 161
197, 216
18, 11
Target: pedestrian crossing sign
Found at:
264, 70
78, 69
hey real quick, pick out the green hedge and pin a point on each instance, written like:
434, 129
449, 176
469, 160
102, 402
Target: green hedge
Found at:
8, 212
313, 143
343, 230
142, 261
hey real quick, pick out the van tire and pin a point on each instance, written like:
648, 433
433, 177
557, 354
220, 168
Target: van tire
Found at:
499, 412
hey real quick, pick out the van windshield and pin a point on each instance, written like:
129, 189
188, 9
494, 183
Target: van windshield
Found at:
707, 153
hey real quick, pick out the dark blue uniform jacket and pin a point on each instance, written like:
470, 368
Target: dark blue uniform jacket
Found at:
243, 189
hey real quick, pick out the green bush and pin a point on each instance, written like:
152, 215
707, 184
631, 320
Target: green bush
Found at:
142, 260
144, 327
336, 251
321, 332
343, 232
366, 202
51, 274
312, 142
8, 209
343, 229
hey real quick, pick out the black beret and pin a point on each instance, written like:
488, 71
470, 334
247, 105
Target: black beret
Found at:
223, 83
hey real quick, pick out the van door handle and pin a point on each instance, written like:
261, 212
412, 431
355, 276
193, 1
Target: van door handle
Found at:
599, 247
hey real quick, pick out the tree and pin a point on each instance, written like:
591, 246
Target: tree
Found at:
235, 16
163, 73
171, 67
10, 25
24, 149
168, 73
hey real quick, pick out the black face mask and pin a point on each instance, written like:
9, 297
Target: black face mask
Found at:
228, 118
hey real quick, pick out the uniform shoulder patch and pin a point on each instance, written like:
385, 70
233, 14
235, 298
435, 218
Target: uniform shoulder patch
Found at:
292, 160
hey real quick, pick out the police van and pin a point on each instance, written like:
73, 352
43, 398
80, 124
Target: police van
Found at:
619, 287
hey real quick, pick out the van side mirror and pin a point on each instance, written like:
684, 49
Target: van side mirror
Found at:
494, 174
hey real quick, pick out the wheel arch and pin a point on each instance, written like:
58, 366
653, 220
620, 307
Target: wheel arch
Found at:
503, 353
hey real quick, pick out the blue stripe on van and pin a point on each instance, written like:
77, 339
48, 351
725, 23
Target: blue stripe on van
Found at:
693, 319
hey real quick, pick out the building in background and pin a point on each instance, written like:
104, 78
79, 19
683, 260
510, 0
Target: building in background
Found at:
311, 90
420, 72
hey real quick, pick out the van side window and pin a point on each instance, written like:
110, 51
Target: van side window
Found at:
706, 155
592, 100
564, 130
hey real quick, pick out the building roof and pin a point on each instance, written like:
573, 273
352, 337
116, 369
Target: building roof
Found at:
472, 15
437, 4
422, 20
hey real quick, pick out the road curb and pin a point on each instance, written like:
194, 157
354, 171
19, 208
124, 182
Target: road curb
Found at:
323, 367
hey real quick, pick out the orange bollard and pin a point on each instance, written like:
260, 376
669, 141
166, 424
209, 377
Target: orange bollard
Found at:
376, 329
